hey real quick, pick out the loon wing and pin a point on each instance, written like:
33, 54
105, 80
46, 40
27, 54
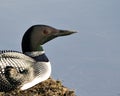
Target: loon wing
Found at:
14, 54
14, 59
13, 68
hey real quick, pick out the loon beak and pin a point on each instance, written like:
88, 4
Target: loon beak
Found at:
64, 32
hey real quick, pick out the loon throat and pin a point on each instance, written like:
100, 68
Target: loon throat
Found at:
25, 69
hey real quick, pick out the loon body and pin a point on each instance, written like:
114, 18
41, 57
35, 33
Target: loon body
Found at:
31, 66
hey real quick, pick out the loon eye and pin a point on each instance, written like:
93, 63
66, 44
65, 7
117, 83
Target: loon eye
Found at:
46, 32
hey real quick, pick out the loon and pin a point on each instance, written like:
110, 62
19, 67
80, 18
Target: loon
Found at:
25, 69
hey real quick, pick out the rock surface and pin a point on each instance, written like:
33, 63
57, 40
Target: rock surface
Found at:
49, 87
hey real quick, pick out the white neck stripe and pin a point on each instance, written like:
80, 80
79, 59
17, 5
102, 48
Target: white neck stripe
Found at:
35, 53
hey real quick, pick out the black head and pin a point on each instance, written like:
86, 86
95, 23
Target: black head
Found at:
38, 35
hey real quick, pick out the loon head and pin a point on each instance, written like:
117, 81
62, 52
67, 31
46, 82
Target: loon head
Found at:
38, 35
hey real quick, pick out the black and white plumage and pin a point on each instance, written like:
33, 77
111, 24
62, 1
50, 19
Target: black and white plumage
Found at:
18, 69
24, 70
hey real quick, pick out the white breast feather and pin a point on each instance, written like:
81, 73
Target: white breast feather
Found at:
38, 79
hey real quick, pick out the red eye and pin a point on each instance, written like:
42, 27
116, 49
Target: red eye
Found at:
46, 32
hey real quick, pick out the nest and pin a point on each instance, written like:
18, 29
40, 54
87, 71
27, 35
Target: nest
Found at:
49, 87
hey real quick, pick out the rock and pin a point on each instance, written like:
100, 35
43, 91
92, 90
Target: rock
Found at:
49, 87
